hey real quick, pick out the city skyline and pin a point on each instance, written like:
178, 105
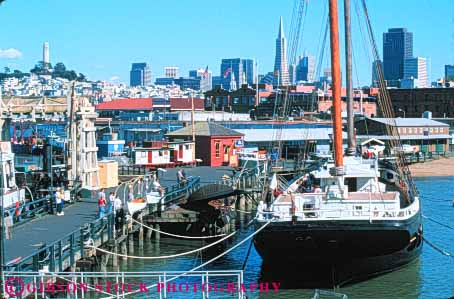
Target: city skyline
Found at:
105, 49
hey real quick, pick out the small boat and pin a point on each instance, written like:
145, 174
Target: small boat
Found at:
153, 197
136, 205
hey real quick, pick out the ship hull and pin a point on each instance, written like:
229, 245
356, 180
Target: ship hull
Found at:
333, 253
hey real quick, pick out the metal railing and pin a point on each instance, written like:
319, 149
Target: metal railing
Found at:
283, 213
168, 284
64, 252
30, 210
177, 191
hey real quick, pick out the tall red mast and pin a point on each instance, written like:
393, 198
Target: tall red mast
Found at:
336, 74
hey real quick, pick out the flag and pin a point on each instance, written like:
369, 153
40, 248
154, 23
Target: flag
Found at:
227, 72
205, 74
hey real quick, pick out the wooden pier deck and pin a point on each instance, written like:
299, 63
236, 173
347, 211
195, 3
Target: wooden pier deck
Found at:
28, 238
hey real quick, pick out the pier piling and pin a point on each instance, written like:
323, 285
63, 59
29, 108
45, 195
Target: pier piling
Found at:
131, 243
157, 234
124, 250
140, 233
115, 256
148, 234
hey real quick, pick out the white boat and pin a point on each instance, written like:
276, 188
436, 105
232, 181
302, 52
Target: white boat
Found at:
153, 197
136, 205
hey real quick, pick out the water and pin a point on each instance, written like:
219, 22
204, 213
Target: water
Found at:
432, 276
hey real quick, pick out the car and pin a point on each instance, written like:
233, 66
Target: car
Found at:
406, 149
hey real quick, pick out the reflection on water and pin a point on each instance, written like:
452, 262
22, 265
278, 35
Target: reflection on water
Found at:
431, 276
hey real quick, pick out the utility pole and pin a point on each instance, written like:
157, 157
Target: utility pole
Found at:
351, 149
193, 124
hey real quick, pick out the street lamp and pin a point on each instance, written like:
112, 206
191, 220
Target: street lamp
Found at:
401, 110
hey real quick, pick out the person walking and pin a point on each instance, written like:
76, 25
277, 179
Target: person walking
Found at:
101, 193
102, 207
111, 202
119, 213
8, 221
59, 202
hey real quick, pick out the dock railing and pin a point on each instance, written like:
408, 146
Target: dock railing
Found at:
32, 209
168, 284
64, 252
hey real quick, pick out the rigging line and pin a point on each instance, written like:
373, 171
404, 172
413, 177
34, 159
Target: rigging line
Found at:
247, 255
436, 248
204, 264
385, 103
177, 236
163, 256
437, 222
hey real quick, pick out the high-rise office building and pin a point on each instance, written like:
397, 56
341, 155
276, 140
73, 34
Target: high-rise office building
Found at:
375, 77
280, 62
46, 59
171, 71
205, 77
292, 74
140, 74
449, 73
249, 71
305, 69
397, 46
231, 67
415, 73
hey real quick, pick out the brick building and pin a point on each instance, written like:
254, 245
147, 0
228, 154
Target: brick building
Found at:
425, 134
413, 102
214, 144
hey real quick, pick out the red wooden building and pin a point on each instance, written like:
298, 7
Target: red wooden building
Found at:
214, 144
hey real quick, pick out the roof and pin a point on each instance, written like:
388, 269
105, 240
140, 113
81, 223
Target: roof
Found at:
406, 137
127, 104
206, 129
372, 140
409, 122
296, 134
186, 104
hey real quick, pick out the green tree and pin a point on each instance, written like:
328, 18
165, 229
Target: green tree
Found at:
38, 69
7, 70
81, 78
60, 68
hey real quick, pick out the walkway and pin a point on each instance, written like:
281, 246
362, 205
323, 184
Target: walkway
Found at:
29, 236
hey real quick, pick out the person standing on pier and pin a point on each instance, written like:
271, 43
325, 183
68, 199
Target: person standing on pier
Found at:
59, 201
101, 194
102, 206
146, 183
181, 176
111, 202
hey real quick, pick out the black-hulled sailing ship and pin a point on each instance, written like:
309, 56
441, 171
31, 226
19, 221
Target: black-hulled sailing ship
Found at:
352, 225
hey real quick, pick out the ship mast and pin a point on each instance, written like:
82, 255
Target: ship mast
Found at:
336, 87
351, 149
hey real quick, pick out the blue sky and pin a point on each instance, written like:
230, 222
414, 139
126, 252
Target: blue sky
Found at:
101, 38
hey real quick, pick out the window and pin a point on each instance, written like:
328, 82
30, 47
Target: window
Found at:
420, 130
431, 130
217, 147
436, 130
410, 130
186, 146
404, 130
236, 100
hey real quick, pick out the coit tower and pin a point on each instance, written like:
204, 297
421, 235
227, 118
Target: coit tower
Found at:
46, 53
